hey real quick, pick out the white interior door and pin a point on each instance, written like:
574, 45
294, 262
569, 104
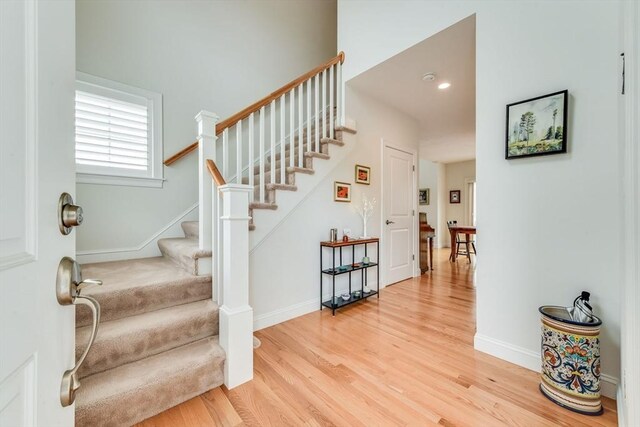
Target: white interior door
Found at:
398, 221
37, 71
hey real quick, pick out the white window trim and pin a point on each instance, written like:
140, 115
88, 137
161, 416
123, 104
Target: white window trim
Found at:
108, 176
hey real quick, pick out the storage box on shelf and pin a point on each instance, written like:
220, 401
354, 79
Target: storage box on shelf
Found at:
336, 270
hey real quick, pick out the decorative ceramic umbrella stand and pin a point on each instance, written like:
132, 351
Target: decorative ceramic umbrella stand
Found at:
570, 361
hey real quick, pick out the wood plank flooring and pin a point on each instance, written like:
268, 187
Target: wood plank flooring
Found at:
405, 359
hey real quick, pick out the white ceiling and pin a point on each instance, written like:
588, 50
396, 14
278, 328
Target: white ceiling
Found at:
447, 117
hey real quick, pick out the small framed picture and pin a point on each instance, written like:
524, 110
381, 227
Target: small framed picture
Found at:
363, 174
341, 192
423, 196
537, 126
454, 196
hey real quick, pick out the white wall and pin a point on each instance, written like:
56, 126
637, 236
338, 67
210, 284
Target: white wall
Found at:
215, 55
285, 266
548, 227
457, 175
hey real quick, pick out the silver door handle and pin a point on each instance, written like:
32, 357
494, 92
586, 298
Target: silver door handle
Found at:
69, 284
390, 222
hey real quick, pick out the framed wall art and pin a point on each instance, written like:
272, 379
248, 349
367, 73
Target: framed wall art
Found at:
341, 192
423, 196
537, 126
363, 175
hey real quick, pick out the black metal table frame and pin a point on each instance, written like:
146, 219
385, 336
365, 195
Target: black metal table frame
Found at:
363, 276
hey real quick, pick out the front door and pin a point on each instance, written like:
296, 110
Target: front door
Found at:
37, 75
398, 221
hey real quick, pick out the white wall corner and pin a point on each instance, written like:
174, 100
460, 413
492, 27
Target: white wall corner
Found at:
531, 360
621, 406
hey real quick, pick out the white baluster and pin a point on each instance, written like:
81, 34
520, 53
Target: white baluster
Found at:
308, 121
262, 154
283, 155
218, 239
251, 159
300, 119
331, 89
317, 113
239, 152
292, 127
236, 315
225, 153
339, 99
272, 149
206, 149
324, 103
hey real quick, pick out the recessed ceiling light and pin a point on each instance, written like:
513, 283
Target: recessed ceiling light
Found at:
429, 77
444, 85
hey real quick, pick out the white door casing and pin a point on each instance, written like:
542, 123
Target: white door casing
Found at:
628, 396
399, 199
37, 78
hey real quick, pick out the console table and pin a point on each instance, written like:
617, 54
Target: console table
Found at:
336, 301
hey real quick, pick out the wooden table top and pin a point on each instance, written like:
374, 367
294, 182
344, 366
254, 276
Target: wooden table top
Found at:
463, 228
349, 243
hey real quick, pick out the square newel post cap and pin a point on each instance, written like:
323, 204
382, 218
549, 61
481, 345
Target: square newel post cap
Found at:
234, 188
206, 123
207, 115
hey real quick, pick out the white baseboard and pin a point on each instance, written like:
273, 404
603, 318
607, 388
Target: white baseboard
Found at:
146, 249
620, 406
283, 314
531, 360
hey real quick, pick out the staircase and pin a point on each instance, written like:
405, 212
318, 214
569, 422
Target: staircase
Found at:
157, 343
289, 183
162, 338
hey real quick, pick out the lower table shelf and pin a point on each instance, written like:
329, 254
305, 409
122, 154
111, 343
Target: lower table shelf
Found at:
341, 303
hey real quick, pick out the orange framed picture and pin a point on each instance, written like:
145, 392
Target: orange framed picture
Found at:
363, 174
341, 192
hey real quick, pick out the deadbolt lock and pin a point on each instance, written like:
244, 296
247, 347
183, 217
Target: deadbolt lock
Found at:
69, 215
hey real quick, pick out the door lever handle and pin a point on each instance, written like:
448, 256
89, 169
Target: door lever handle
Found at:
70, 382
87, 282
69, 284
390, 222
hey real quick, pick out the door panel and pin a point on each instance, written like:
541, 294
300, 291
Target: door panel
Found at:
398, 214
37, 74
17, 123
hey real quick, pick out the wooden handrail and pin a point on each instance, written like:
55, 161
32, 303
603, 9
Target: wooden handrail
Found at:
227, 123
277, 94
180, 154
215, 173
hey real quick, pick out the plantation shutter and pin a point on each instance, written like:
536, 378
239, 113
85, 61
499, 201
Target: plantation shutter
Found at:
112, 133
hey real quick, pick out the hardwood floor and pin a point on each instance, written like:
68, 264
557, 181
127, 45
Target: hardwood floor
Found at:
405, 359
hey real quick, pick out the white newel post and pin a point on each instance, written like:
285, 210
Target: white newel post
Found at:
206, 150
236, 315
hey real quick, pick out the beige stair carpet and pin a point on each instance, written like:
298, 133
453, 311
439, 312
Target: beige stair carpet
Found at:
157, 343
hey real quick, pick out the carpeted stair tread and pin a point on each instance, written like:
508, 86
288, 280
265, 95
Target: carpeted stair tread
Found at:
259, 205
133, 338
190, 228
332, 141
185, 252
345, 129
133, 392
138, 286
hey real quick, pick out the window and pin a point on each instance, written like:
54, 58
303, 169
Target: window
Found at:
118, 133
